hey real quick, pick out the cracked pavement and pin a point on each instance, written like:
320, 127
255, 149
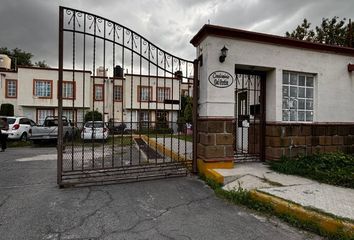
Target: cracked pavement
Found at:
33, 207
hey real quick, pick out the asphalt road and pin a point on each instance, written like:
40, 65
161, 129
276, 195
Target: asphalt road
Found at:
33, 207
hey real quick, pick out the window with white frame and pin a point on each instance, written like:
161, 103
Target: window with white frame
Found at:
11, 88
145, 93
68, 90
162, 94
298, 97
42, 114
43, 88
118, 93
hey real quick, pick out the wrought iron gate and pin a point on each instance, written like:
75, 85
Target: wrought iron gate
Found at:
121, 104
250, 116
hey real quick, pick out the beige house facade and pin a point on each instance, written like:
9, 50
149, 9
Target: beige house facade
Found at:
132, 98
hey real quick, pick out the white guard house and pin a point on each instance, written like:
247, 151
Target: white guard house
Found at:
263, 96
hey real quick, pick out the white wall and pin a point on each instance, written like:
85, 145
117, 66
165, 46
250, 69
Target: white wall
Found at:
334, 86
25, 87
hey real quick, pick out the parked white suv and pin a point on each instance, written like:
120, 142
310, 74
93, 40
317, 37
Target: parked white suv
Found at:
19, 128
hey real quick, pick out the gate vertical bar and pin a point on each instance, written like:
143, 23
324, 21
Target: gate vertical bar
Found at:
60, 98
195, 114
263, 117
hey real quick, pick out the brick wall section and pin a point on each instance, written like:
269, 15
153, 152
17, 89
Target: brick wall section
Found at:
294, 139
215, 139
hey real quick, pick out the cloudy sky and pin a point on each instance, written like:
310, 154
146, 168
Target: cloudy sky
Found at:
32, 25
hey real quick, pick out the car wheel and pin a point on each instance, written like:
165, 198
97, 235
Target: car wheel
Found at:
23, 137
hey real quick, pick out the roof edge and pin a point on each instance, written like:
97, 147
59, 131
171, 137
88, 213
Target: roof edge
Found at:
215, 30
53, 69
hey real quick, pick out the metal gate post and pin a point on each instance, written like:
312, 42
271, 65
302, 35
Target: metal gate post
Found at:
195, 115
60, 99
263, 116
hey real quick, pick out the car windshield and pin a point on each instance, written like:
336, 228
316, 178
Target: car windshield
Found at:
11, 120
94, 125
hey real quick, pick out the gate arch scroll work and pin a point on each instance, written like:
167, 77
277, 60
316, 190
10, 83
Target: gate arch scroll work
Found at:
121, 102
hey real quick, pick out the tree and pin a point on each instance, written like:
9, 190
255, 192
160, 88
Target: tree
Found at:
332, 31
188, 112
302, 32
41, 64
93, 116
21, 58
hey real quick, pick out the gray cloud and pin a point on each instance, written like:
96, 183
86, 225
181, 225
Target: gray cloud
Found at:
33, 25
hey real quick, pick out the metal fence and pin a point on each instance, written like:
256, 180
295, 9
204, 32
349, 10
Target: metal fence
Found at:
129, 103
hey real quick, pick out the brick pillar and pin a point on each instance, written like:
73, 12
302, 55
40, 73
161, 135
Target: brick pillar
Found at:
215, 140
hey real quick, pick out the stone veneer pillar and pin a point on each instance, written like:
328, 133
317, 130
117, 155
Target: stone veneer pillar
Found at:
216, 142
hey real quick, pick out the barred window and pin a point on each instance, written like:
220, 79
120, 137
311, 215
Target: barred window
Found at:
68, 90
11, 88
98, 92
43, 88
298, 96
145, 93
162, 94
118, 93
42, 114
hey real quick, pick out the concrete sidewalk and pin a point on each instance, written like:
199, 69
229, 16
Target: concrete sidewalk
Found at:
305, 192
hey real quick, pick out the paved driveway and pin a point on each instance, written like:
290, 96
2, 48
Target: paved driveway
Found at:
32, 207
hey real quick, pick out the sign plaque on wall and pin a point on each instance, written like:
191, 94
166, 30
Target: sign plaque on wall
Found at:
221, 79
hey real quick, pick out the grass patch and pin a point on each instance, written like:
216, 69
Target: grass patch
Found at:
331, 168
242, 197
188, 138
120, 141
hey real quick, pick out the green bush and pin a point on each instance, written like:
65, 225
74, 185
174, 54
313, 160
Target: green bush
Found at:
181, 124
332, 168
7, 109
93, 116
188, 112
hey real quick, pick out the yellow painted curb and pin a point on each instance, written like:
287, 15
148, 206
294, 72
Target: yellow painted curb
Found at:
168, 152
207, 169
326, 223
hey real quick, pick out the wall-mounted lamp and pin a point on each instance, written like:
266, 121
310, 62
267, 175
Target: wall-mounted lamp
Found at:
223, 54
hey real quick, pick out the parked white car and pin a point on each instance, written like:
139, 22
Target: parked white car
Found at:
94, 130
20, 128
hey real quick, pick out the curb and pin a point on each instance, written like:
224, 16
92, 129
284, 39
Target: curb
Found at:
207, 169
325, 223
168, 152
